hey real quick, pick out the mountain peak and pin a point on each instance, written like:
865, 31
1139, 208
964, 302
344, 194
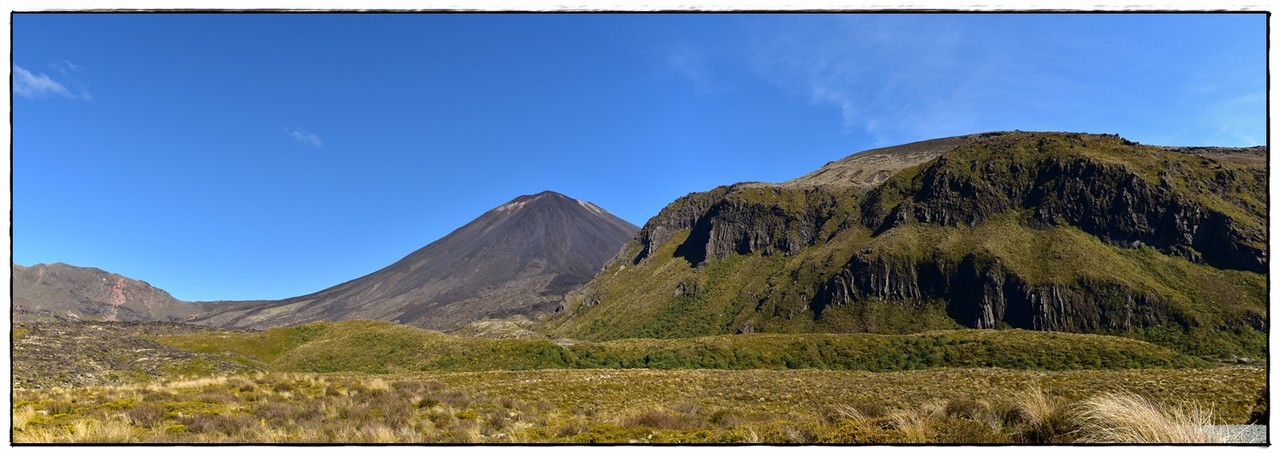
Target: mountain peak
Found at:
542, 194
518, 258
522, 200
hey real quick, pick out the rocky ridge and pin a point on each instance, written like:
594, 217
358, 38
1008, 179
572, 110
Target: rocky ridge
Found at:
869, 168
63, 292
943, 238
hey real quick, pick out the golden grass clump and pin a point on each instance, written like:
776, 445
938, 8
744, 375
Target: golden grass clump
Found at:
1130, 418
23, 415
113, 430
1045, 419
192, 383
913, 426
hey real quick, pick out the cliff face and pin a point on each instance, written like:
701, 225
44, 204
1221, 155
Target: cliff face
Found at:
1123, 193
1126, 195
747, 219
1046, 231
980, 293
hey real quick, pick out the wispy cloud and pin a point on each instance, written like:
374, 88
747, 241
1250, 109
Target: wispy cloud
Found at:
692, 65
27, 84
305, 137
899, 78
1237, 120
66, 67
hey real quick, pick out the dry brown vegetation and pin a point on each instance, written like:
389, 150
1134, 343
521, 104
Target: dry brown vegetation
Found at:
633, 406
1129, 418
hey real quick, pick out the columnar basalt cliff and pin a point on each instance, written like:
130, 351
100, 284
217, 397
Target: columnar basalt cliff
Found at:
1047, 231
981, 294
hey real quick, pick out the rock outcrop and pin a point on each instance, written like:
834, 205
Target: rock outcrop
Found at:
747, 219
1167, 205
980, 294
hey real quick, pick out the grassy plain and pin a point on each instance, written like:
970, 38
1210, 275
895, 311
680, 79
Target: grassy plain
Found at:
622, 406
364, 382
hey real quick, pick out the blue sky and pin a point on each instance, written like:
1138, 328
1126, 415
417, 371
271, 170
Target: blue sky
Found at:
243, 156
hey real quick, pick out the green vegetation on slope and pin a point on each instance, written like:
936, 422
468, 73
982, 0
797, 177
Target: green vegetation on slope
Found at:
1216, 312
374, 347
383, 347
977, 238
1013, 349
1213, 310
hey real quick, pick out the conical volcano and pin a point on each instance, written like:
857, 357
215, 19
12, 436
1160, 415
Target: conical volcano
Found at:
518, 258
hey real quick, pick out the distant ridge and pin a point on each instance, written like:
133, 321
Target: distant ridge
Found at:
869, 168
64, 292
519, 258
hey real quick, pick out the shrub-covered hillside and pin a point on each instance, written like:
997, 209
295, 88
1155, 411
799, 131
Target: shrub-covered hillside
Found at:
384, 347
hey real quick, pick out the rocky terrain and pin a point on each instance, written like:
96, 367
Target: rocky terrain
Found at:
1046, 231
70, 353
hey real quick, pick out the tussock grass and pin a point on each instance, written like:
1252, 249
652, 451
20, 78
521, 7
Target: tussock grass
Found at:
111, 430
1129, 418
913, 426
1045, 419
200, 382
618, 406
22, 416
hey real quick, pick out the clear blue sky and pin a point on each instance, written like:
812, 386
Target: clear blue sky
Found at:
242, 156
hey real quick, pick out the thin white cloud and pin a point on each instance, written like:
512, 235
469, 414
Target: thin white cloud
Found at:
30, 85
66, 67
898, 78
1238, 119
305, 137
692, 65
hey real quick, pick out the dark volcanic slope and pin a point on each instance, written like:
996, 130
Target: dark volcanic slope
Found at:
519, 258
64, 292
